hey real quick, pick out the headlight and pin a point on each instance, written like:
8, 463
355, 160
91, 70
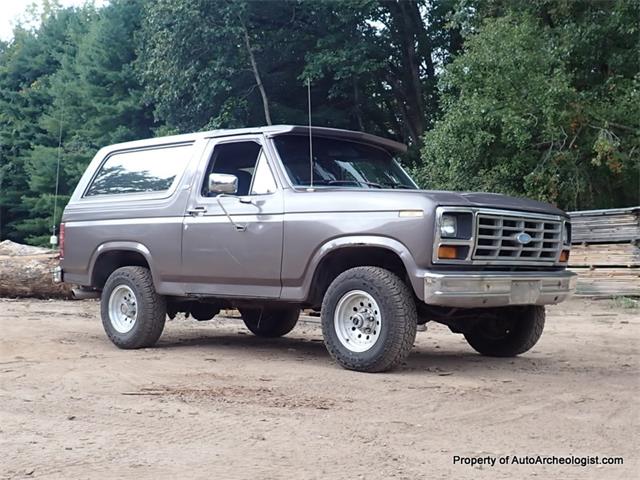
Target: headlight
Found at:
566, 228
448, 226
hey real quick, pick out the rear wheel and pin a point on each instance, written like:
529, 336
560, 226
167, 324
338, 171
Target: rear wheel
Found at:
270, 322
369, 319
514, 330
133, 314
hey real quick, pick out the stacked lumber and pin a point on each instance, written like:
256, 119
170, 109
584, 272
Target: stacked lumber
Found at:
605, 252
605, 255
608, 282
25, 271
606, 226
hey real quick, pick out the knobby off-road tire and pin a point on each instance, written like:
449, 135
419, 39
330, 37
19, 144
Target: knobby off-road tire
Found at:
368, 319
133, 314
515, 331
270, 322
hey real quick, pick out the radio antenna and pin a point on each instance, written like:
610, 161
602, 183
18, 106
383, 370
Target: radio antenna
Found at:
310, 136
53, 240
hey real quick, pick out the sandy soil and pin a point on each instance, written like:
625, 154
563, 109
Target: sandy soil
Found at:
213, 401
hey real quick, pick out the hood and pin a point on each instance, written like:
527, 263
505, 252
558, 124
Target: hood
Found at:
362, 200
490, 200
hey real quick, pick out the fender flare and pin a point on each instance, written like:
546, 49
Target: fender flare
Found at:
120, 246
378, 241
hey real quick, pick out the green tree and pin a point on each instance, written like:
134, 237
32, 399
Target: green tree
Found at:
85, 96
26, 64
382, 56
198, 62
543, 102
229, 63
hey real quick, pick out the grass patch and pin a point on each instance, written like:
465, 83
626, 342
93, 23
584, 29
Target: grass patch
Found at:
626, 303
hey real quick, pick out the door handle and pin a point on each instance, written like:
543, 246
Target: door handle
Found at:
196, 211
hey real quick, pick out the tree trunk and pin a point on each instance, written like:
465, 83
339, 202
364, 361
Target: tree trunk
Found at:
30, 276
256, 74
356, 105
26, 272
414, 50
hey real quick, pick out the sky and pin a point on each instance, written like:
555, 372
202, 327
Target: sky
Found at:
11, 11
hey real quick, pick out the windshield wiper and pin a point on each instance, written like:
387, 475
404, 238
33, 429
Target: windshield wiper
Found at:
397, 185
359, 182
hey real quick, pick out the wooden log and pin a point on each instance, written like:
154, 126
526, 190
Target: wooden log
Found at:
30, 276
26, 272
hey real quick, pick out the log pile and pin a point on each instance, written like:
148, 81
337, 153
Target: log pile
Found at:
605, 252
26, 272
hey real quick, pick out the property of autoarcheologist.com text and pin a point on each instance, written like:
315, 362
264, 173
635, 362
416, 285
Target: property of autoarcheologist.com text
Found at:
492, 461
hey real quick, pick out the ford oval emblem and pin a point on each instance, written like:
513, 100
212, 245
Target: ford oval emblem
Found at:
523, 238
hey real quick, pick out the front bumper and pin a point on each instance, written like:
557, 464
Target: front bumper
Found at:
497, 289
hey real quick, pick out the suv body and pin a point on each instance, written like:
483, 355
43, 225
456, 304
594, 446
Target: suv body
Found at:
236, 218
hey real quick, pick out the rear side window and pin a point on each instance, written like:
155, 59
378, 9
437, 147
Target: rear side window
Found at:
139, 171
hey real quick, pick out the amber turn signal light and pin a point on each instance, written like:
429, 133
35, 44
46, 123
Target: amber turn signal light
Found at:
447, 252
564, 256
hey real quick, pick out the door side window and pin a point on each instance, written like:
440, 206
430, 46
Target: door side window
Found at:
237, 158
263, 181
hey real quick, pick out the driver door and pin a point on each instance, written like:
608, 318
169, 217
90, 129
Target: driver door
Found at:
237, 253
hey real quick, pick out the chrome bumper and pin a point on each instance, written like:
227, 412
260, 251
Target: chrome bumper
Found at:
497, 289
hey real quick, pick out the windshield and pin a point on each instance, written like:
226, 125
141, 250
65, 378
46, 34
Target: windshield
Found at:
340, 163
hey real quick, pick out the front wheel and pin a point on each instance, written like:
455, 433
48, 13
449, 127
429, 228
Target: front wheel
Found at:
133, 314
270, 322
368, 319
512, 331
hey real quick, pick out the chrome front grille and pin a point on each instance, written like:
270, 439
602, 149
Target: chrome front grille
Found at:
511, 237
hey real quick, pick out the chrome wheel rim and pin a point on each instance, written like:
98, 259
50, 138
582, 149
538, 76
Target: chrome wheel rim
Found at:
123, 309
357, 321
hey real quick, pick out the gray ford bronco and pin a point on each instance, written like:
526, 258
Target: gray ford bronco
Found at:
244, 219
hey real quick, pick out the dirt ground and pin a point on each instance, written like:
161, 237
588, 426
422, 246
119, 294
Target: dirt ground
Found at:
213, 401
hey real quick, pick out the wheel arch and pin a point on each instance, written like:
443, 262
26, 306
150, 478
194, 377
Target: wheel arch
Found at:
341, 254
110, 256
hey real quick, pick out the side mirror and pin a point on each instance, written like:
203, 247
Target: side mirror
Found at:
223, 183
